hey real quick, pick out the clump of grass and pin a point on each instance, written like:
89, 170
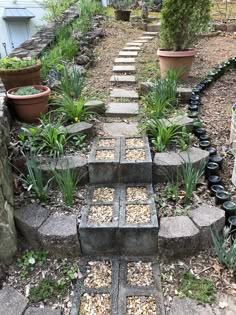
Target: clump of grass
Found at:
202, 290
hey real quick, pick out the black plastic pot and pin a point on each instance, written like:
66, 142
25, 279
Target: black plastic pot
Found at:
216, 188
199, 131
193, 114
212, 151
121, 15
195, 103
230, 209
217, 159
193, 107
211, 169
232, 222
194, 97
214, 180
204, 144
221, 197
204, 138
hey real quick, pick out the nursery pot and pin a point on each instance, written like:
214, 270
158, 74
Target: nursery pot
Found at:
230, 209
21, 77
214, 180
221, 197
232, 221
215, 189
29, 107
217, 159
211, 169
121, 15
212, 151
176, 60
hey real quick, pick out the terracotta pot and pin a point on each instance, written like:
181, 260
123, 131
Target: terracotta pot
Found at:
21, 77
176, 60
121, 15
29, 107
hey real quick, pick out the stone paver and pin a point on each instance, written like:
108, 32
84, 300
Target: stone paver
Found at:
29, 219
150, 33
80, 128
186, 306
229, 302
141, 41
96, 106
134, 44
208, 218
125, 60
12, 302
181, 121
118, 129
146, 37
59, 235
128, 53
132, 48
123, 93
127, 69
41, 311
153, 28
122, 109
178, 237
123, 79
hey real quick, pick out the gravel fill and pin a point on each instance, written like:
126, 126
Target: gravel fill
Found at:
99, 274
141, 305
140, 274
100, 214
105, 155
135, 154
105, 194
134, 143
95, 304
136, 194
106, 143
137, 214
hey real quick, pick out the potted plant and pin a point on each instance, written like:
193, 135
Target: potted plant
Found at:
122, 11
19, 72
29, 101
181, 22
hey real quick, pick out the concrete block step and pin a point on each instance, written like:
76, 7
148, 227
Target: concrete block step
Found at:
128, 53
122, 109
134, 44
123, 79
123, 93
124, 69
125, 60
131, 48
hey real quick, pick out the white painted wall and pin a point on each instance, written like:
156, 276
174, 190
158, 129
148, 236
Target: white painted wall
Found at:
34, 24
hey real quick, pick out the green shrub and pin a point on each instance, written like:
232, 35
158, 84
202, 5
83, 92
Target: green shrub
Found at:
182, 21
28, 90
54, 8
17, 63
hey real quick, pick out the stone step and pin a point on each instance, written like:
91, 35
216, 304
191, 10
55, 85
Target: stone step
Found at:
123, 79
125, 60
120, 160
123, 222
113, 285
121, 129
143, 41
123, 93
128, 53
134, 44
124, 68
146, 37
150, 33
122, 109
154, 27
132, 48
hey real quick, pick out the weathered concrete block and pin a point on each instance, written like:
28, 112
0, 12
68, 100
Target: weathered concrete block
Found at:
178, 237
187, 306
207, 218
181, 121
184, 93
118, 129
122, 109
132, 48
128, 54
104, 161
80, 128
41, 311
135, 168
166, 165
29, 219
12, 302
145, 87
154, 27
124, 69
59, 236
122, 93
125, 60
96, 106
123, 79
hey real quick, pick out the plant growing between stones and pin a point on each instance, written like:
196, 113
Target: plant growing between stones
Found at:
202, 290
71, 83
87, 8
30, 259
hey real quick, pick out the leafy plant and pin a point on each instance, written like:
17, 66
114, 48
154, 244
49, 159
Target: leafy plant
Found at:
200, 289
73, 110
181, 22
67, 181
87, 8
34, 180
121, 4
190, 176
71, 83
225, 247
45, 138
47, 288
54, 8
28, 90
185, 140
30, 259
17, 63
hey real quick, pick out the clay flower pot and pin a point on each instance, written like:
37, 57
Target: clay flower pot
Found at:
122, 15
21, 77
176, 60
29, 107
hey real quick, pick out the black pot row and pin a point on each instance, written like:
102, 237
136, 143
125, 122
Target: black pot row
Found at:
215, 163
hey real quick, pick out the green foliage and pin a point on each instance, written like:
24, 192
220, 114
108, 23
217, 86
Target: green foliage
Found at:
190, 176
182, 21
54, 8
121, 4
46, 289
28, 90
67, 181
87, 8
73, 110
45, 138
30, 259
225, 248
202, 290
185, 140
17, 63
34, 180
71, 83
